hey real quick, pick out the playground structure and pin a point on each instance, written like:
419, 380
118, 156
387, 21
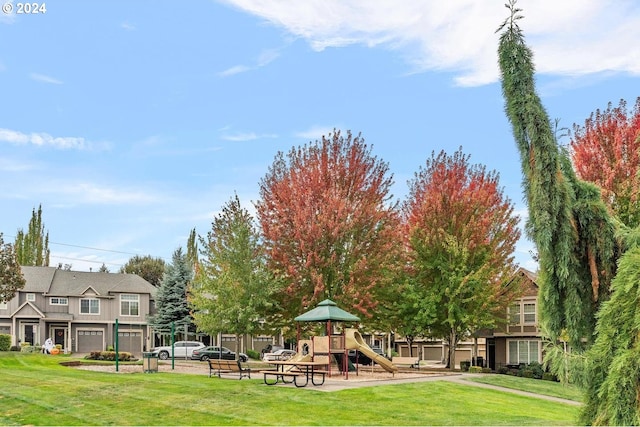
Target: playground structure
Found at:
335, 346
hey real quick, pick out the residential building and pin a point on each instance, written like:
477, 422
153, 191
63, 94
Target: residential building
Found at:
80, 310
520, 340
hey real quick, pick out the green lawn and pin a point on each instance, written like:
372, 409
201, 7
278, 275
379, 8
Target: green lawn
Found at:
36, 390
548, 388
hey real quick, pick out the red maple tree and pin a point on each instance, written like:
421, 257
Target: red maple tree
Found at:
460, 233
328, 225
606, 151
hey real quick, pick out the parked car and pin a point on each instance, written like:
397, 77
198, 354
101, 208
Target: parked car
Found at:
271, 348
281, 354
182, 349
215, 352
363, 359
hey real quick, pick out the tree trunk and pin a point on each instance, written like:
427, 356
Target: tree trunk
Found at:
453, 343
409, 339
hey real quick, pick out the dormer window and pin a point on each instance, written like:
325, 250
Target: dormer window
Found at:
31, 297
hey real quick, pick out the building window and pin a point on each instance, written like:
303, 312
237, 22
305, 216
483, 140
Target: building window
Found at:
31, 297
522, 313
129, 305
58, 301
529, 313
89, 306
524, 351
514, 314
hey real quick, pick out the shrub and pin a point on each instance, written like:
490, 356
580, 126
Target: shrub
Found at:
475, 369
5, 342
548, 376
29, 348
464, 365
527, 373
14, 348
503, 370
537, 369
253, 354
109, 355
486, 370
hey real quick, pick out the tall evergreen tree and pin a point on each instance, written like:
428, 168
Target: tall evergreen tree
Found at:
32, 247
171, 299
567, 221
11, 277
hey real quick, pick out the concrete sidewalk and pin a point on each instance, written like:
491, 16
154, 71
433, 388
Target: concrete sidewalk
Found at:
339, 383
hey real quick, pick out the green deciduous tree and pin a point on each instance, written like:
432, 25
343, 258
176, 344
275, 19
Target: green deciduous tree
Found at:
329, 227
232, 285
32, 247
461, 234
11, 278
149, 268
192, 249
171, 299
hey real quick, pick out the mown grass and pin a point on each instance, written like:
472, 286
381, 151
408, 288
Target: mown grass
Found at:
547, 388
35, 389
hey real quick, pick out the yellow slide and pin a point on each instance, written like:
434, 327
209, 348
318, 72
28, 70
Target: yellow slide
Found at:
354, 341
298, 357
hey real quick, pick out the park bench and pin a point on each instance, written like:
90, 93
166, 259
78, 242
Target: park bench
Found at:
412, 362
218, 366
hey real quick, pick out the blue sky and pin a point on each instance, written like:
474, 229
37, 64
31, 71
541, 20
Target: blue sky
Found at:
133, 122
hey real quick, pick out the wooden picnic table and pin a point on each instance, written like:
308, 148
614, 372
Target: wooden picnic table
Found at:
298, 369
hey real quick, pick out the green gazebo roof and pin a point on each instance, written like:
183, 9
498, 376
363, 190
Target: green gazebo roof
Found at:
327, 310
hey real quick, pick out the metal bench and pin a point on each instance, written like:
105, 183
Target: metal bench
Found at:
412, 362
218, 366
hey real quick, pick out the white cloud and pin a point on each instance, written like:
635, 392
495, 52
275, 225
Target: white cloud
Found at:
127, 26
45, 79
44, 139
264, 58
315, 132
89, 193
246, 136
459, 36
234, 70
12, 165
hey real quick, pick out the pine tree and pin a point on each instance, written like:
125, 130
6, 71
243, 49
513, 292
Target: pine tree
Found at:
171, 299
570, 226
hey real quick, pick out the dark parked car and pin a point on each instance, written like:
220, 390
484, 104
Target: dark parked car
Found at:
215, 352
